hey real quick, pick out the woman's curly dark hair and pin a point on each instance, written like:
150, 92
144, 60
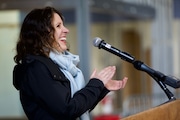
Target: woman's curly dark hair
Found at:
36, 34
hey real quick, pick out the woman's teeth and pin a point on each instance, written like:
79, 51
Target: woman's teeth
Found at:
63, 39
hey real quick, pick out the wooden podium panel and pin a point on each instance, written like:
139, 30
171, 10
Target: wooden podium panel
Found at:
167, 111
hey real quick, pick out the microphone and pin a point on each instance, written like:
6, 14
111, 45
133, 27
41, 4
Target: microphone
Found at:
98, 42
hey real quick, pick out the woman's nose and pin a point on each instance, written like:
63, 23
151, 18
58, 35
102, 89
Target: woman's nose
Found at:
66, 30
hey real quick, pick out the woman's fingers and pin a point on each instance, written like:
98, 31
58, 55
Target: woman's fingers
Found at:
105, 74
116, 84
108, 72
124, 81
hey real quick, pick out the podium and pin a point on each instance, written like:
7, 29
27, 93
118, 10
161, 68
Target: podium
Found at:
166, 111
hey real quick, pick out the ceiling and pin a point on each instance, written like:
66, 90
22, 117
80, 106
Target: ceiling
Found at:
108, 6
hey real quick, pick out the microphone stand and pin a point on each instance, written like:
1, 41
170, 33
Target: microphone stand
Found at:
157, 76
168, 93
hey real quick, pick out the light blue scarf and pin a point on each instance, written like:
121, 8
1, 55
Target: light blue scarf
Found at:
67, 63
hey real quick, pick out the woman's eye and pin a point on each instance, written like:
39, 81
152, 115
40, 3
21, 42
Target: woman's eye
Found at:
58, 25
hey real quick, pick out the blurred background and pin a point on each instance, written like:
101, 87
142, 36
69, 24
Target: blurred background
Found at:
149, 30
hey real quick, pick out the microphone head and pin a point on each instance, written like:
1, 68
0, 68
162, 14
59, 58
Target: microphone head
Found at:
97, 41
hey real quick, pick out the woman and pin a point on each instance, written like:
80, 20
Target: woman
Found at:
51, 86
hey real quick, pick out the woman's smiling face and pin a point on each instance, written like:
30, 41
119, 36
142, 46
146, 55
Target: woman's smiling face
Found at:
60, 32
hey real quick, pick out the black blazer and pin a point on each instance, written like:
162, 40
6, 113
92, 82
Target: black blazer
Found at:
45, 91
